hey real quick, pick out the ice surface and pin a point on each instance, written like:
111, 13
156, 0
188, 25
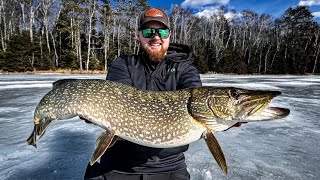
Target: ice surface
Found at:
284, 149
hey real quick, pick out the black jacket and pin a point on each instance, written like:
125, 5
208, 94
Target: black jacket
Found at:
173, 73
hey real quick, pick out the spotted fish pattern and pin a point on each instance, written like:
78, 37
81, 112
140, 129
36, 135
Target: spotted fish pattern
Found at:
155, 119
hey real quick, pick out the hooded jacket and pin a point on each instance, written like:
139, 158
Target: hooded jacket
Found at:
174, 72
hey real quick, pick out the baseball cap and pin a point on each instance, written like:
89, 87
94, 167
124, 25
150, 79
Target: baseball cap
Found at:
153, 14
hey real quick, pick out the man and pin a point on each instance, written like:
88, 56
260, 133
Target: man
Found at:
158, 67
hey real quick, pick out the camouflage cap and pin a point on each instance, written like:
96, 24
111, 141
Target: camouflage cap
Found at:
153, 14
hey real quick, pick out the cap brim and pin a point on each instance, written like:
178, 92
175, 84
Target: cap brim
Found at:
153, 19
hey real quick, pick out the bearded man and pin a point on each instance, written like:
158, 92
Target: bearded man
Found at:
158, 67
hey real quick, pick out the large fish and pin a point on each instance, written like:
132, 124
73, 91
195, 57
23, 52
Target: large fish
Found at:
154, 119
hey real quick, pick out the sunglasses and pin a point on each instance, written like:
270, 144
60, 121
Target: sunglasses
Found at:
151, 32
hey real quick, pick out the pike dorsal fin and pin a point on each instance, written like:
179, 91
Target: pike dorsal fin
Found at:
216, 151
105, 140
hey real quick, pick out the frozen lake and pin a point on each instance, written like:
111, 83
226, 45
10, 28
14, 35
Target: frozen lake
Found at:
284, 149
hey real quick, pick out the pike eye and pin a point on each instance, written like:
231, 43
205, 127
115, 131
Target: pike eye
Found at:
234, 94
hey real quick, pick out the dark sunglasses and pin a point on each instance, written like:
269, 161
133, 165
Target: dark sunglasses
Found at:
151, 32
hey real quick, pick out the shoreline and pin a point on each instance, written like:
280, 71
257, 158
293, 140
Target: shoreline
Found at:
67, 71
60, 71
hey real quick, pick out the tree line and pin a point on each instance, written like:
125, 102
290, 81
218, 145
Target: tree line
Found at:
90, 34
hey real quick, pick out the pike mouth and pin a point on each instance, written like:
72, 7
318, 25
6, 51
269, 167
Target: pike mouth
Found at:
269, 113
256, 108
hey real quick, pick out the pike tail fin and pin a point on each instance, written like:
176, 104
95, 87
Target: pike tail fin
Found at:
105, 140
33, 137
216, 151
38, 130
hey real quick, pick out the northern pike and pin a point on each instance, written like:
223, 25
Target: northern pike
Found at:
154, 119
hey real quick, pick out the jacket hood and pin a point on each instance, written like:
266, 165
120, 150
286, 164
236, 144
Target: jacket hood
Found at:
178, 52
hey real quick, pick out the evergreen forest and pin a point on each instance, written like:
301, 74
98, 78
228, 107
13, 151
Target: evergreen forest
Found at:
89, 34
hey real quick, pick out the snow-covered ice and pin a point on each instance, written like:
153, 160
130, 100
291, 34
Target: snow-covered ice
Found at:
284, 149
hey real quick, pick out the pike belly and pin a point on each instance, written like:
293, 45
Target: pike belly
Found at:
154, 132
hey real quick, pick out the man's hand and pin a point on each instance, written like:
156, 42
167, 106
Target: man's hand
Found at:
85, 120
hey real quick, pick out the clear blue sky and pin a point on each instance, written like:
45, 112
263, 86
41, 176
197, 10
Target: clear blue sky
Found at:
273, 7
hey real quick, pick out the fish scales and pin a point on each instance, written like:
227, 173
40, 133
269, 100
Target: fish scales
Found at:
149, 118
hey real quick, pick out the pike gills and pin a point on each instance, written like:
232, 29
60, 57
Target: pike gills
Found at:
155, 119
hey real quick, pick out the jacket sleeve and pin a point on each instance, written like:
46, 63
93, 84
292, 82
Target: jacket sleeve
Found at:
119, 72
189, 78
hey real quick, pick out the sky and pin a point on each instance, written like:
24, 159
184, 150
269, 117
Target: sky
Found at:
273, 7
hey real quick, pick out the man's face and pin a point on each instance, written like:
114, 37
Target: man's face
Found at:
155, 47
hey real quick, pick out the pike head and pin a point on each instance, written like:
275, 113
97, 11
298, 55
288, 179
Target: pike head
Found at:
220, 108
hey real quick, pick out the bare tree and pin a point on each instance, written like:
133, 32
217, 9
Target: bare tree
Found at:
106, 12
175, 15
33, 6
22, 6
317, 50
92, 7
45, 9
4, 24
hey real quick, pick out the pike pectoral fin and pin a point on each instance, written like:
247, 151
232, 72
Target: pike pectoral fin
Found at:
105, 140
216, 151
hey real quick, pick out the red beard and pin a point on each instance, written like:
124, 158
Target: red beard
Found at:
155, 56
